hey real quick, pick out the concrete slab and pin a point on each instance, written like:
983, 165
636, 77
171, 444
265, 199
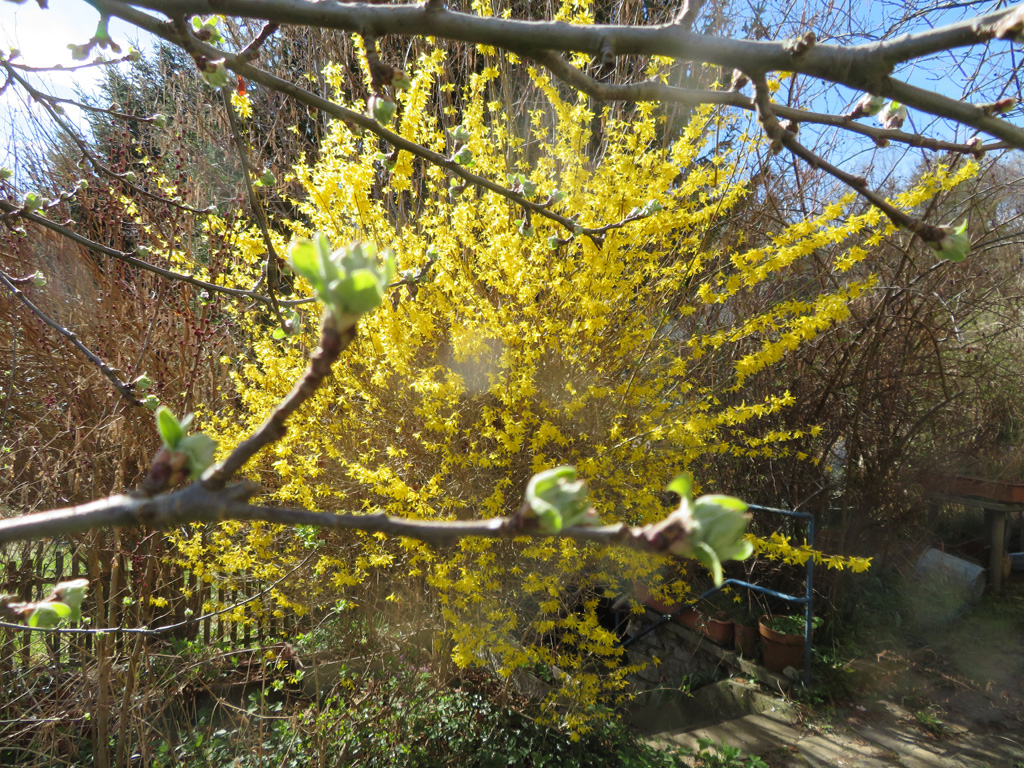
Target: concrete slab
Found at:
754, 734
909, 750
733, 698
989, 749
839, 752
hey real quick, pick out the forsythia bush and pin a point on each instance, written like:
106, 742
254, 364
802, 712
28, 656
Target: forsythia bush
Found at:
520, 347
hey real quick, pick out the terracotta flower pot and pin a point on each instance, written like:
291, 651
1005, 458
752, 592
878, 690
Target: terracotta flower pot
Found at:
689, 618
718, 630
643, 594
745, 637
779, 650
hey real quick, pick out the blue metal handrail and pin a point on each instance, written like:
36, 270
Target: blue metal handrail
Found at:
806, 600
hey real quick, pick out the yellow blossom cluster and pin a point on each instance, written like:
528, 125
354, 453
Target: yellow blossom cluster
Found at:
780, 547
511, 346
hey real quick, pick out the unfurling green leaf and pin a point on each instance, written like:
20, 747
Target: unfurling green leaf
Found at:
559, 500
349, 281
207, 29
400, 80
48, 615
72, 593
200, 450
954, 245
711, 529
216, 74
382, 109
169, 428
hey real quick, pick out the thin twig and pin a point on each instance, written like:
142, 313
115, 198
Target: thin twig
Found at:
270, 268
155, 630
128, 258
127, 390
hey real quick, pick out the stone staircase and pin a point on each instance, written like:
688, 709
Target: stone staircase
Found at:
881, 736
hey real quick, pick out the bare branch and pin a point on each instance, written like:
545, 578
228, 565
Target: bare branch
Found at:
861, 67
10, 209
270, 268
197, 504
333, 341
48, 103
655, 90
781, 137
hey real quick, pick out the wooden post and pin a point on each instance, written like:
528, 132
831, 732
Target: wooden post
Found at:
996, 519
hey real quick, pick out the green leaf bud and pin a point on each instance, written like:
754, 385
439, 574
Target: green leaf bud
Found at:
80, 52
48, 615
216, 74
200, 449
350, 281
711, 529
558, 499
868, 106
72, 593
170, 429
382, 109
954, 245
400, 80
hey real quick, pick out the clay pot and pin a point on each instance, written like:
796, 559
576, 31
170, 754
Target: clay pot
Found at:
779, 650
643, 594
689, 617
745, 639
718, 630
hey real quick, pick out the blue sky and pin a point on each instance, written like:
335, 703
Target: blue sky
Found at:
43, 37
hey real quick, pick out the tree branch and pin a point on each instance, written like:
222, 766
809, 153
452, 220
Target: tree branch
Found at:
861, 67
333, 341
127, 258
